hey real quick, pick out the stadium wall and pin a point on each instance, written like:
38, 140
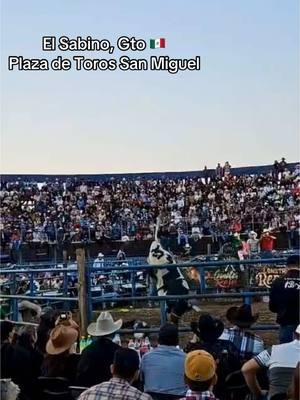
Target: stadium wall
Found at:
250, 170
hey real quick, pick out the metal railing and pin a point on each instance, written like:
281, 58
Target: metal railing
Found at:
202, 266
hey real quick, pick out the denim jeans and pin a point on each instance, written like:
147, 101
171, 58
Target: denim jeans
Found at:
286, 333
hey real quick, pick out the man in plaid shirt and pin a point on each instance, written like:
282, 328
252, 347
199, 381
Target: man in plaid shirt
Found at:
247, 343
200, 375
125, 370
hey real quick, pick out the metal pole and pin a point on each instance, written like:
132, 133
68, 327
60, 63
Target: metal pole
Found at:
163, 312
65, 290
14, 302
133, 286
202, 279
208, 249
31, 285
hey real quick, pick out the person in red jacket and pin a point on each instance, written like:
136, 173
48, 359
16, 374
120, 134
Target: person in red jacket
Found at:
267, 243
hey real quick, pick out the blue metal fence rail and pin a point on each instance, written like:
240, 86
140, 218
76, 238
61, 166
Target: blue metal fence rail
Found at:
132, 268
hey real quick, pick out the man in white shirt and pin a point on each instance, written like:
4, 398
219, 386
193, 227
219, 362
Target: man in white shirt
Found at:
253, 244
281, 362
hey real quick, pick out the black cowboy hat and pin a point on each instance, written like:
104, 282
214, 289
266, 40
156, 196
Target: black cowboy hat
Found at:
241, 316
208, 329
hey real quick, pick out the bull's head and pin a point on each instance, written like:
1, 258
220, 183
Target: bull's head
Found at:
158, 255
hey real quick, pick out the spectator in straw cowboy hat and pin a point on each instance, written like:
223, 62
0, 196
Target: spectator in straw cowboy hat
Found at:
61, 359
96, 359
247, 343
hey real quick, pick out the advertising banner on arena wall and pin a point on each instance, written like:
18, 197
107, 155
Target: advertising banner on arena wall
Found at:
233, 277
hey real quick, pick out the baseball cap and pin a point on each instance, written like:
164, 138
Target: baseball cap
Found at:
298, 329
199, 366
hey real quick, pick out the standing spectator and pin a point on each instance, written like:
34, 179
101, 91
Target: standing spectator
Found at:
247, 343
206, 175
282, 165
200, 375
61, 359
162, 369
253, 244
219, 171
276, 169
15, 245
284, 299
125, 370
96, 359
267, 243
227, 169
281, 362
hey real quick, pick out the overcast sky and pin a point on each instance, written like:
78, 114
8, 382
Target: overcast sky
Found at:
243, 106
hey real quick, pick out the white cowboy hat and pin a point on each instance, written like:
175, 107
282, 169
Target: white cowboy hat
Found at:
252, 233
266, 230
104, 325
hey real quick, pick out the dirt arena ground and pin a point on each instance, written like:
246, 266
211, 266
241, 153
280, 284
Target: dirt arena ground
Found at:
216, 308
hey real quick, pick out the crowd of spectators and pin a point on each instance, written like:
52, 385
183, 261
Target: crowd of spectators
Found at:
213, 204
217, 362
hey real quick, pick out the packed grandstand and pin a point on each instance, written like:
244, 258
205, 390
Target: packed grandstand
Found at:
218, 351
214, 203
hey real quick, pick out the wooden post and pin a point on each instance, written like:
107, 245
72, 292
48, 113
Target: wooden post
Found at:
82, 296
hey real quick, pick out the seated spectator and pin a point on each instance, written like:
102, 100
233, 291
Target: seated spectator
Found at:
162, 369
296, 384
281, 362
47, 323
96, 359
284, 299
200, 375
247, 343
29, 311
16, 362
99, 261
7, 329
207, 331
9, 390
125, 370
61, 359
26, 340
